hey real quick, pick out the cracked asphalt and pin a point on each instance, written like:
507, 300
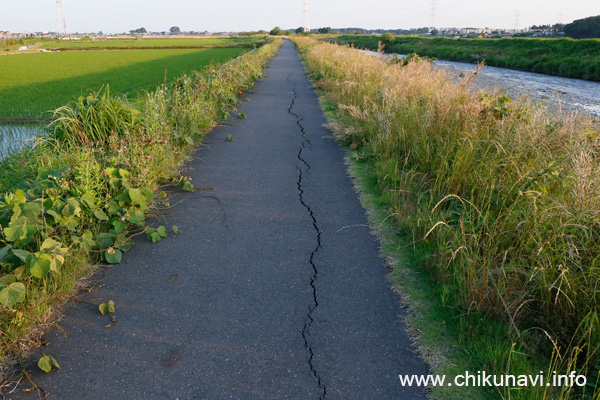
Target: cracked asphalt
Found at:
273, 289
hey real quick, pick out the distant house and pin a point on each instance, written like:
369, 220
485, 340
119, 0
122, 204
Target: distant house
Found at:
449, 31
46, 34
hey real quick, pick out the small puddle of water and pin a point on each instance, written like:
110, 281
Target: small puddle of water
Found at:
14, 137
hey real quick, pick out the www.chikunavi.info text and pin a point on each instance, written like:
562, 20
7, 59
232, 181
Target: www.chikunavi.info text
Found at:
483, 379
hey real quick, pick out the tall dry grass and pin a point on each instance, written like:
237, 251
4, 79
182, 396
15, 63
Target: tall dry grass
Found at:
505, 193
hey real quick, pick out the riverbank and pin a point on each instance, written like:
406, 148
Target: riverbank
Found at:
558, 93
562, 57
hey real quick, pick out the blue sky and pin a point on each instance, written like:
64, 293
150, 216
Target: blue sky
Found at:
116, 16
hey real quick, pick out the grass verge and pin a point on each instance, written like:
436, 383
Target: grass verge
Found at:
76, 198
488, 205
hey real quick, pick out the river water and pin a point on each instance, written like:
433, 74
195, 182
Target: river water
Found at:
557, 92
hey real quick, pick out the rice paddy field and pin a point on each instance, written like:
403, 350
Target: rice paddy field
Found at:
153, 42
33, 84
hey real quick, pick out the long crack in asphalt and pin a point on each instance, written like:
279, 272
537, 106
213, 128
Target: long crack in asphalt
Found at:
309, 319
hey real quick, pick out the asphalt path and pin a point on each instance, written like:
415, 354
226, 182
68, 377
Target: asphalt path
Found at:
273, 289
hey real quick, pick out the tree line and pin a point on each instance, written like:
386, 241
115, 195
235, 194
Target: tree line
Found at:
584, 28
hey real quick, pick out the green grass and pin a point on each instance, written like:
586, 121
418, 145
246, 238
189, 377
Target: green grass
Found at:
563, 57
36, 83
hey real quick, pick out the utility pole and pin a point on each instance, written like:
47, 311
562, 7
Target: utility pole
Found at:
306, 22
433, 13
61, 24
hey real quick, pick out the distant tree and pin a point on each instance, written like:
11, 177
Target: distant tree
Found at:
387, 38
252, 33
584, 28
324, 30
174, 30
353, 30
524, 34
275, 31
139, 30
556, 28
300, 30
434, 32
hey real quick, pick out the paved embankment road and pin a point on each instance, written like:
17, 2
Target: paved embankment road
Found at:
272, 290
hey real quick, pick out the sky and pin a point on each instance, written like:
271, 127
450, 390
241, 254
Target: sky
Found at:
117, 16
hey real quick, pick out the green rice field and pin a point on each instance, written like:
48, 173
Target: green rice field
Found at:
36, 83
153, 42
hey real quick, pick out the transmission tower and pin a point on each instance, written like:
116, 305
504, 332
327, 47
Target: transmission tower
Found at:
61, 24
516, 21
306, 22
432, 14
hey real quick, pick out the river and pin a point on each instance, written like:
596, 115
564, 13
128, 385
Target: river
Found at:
557, 92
